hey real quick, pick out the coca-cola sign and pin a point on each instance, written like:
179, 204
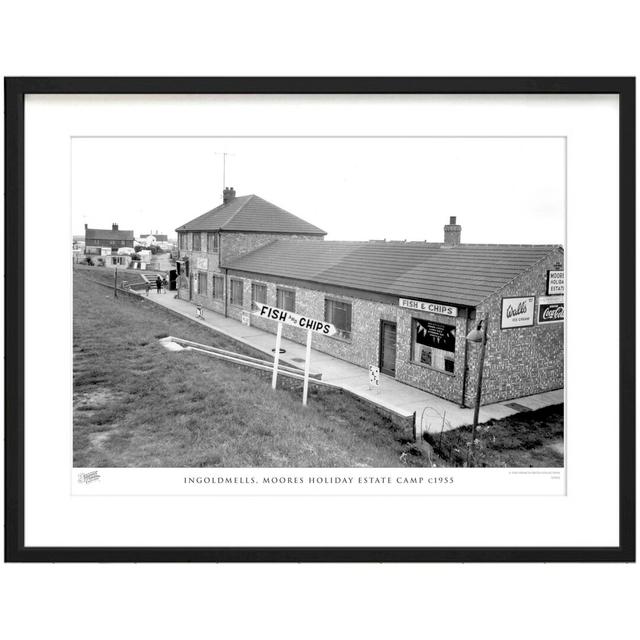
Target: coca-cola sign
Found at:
550, 309
517, 312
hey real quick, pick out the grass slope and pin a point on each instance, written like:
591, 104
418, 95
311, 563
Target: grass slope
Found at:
139, 405
528, 439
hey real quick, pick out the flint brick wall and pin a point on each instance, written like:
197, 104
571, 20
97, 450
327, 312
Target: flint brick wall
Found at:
231, 245
363, 348
523, 361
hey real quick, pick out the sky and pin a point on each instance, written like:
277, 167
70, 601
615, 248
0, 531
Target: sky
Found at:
502, 190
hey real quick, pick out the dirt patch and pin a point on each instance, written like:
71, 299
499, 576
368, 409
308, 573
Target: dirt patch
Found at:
98, 439
558, 447
91, 401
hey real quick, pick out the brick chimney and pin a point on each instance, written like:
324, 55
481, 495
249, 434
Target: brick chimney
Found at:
228, 195
452, 232
114, 226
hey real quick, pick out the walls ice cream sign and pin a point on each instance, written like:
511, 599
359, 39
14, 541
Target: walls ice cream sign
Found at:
517, 312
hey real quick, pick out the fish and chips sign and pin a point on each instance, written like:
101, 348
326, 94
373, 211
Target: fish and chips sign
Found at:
429, 307
303, 322
517, 312
273, 313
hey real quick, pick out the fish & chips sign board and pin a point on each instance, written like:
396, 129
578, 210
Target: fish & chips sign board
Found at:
429, 307
303, 322
273, 313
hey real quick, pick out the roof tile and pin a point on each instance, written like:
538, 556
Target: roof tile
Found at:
250, 213
463, 274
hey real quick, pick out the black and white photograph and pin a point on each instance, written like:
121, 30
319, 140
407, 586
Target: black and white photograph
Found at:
292, 314
318, 302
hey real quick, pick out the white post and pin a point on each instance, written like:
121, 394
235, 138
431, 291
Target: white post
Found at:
276, 357
307, 365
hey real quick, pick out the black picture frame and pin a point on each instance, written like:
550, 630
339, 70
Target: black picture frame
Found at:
15, 91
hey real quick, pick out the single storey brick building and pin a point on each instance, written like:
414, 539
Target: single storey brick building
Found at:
406, 307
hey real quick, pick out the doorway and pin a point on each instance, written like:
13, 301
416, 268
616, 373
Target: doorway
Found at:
388, 331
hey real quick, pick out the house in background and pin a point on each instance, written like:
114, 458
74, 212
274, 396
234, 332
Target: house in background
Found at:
239, 225
98, 241
156, 239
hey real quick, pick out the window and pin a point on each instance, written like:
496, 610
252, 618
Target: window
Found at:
236, 292
434, 344
258, 294
338, 313
218, 287
212, 242
182, 241
197, 239
202, 283
286, 299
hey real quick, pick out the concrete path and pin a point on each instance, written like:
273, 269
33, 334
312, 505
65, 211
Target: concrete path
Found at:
392, 395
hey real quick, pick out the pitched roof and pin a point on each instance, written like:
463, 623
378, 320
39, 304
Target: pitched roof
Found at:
108, 234
250, 213
462, 274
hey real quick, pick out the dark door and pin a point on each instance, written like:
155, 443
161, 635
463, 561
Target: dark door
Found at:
388, 347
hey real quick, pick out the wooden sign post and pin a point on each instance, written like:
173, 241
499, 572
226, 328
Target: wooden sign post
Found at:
276, 357
297, 320
307, 366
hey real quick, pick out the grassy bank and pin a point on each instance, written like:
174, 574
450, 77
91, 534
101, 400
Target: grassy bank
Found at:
139, 405
528, 439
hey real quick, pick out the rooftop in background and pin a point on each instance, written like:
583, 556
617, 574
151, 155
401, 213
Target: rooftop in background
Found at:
160, 237
463, 274
108, 234
250, 213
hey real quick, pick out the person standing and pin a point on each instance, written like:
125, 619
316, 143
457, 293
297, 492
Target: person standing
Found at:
165, 284
147, 286
158, 284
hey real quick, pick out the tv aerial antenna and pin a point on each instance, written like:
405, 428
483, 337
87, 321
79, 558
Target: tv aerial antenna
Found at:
224, 165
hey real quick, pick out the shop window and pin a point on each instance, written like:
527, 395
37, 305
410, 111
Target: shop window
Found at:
258, 293
236, 292
218, 287
286, 299
197, 240
338, 313
434, 344
212, 242
202, 283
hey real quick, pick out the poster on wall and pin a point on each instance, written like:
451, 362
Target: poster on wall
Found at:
550, 309
517, 312
436, 335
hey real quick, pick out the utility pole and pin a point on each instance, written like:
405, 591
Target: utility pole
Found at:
477, 335
115, 283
